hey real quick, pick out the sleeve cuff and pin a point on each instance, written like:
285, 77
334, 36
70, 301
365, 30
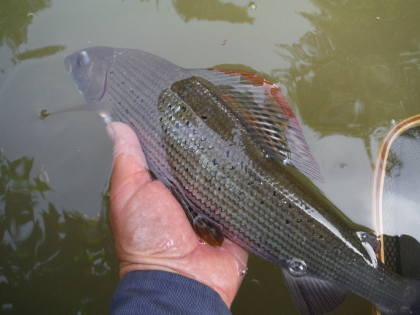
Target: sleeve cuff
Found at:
162, 292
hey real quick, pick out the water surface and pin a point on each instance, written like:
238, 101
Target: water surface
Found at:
350, 69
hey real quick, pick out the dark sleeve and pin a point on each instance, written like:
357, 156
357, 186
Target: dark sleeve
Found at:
160, 292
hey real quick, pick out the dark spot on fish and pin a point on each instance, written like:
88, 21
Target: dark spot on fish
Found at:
186, 169
274, 193
187, 123
183, 108
204, 117
287, 221
289, 205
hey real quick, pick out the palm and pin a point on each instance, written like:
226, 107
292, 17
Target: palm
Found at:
152, 231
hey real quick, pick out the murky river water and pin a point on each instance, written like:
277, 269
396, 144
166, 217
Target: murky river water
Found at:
350, 69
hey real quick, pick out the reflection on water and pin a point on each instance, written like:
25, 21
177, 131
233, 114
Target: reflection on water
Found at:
68, 257
40, 52
15, 18
212, 10
358, 69
351, 71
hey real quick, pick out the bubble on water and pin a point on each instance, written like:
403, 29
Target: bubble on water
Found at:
256, 281
44, 114
243, 272
252, 6
297, 267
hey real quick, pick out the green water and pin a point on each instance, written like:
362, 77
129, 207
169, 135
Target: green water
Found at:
350, 69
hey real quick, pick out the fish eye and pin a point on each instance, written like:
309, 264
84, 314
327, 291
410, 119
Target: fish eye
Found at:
83, 59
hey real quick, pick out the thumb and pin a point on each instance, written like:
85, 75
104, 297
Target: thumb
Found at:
130, 169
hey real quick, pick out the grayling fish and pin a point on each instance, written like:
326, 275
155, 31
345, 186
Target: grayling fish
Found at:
232, 152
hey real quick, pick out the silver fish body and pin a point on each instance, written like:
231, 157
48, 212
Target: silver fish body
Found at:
195, 127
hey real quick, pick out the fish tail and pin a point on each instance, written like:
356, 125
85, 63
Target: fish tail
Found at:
413, 302
410, 304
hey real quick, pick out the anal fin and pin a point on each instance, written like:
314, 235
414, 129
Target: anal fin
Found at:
313, 296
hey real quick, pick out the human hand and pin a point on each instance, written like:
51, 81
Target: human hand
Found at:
151, 230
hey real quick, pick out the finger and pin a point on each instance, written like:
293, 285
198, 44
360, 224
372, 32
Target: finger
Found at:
130, 169
236, 251
126, 142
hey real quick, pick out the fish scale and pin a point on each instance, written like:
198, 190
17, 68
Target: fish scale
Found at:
231, 150
184, 157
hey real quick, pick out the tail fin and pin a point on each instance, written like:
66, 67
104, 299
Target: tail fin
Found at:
410, 304
413, 297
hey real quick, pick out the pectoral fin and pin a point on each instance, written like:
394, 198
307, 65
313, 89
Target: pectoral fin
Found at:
208, 230
312, 295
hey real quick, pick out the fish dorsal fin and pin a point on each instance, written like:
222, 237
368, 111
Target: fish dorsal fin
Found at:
267, 116
312, 295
